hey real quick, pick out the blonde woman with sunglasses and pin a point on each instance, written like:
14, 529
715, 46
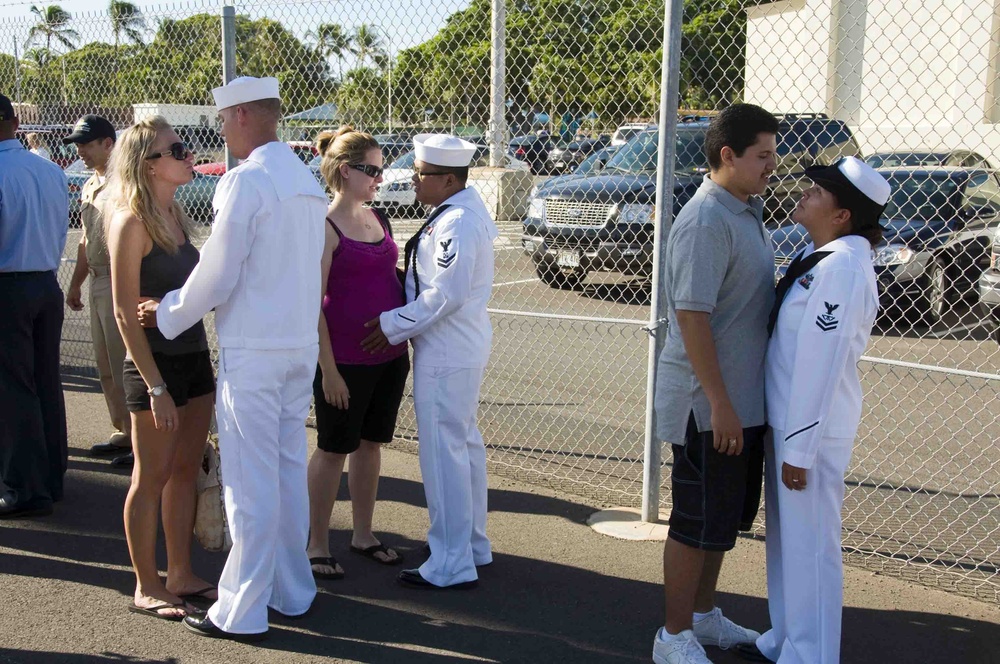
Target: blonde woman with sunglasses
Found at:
169, 384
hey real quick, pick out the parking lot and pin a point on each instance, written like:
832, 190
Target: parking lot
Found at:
564, 404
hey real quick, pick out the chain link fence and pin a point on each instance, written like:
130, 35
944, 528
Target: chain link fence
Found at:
911, 87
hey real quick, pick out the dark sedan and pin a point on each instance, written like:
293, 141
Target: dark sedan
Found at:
940, 224
563, 160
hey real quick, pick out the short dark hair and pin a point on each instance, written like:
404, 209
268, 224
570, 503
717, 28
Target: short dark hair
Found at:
461, 173
737, 127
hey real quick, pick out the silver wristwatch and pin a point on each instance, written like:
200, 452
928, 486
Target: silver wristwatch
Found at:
157, 390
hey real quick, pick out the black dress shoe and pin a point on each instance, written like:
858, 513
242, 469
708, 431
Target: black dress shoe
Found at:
202, 625
10, 508
411, 579
123, 461
108, 449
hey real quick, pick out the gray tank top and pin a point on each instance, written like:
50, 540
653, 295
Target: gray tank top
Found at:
159, 274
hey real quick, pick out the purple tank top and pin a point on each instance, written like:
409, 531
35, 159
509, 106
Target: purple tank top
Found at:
362, 285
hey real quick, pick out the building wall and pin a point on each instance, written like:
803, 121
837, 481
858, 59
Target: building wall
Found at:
902, 73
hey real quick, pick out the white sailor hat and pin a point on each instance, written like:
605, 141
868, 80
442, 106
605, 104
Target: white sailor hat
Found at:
245, 89
443, 150
857, 186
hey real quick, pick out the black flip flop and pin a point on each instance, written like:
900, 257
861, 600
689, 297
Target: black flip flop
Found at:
329, 561
154, 611
378, 548
200, 595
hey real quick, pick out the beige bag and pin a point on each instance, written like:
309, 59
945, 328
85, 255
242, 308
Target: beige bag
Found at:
210, 525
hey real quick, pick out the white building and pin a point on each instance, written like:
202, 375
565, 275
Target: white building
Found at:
178, 114
904, 74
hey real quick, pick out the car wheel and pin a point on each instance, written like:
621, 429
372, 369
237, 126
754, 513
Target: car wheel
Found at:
939, 296
553, 277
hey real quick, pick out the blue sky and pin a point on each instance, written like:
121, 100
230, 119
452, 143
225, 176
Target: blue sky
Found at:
403, 23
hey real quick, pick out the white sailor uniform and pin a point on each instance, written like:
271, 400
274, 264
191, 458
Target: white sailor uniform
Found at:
447, 289
814, 407
260, 272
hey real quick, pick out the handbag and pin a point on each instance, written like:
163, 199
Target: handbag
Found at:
210, 524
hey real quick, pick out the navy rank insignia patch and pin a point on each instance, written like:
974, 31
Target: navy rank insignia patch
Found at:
828, 321
446, 259
806, 281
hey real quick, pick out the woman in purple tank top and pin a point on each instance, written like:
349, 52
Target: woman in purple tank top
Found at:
357, 394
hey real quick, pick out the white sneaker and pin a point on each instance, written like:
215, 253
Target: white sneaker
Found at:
681, 649
718, 630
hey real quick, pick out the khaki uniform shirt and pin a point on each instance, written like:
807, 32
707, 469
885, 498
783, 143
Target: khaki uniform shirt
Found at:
93, 223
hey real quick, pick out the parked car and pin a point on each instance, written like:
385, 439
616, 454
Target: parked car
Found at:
627, 132
592, 165
195, 196
940, 227
51, 136
989, 286
395, 193
532, 149
564, 159
604, 222
960, 158
206, 143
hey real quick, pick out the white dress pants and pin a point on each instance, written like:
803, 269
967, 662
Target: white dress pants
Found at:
262, 404
805, 568
453, 467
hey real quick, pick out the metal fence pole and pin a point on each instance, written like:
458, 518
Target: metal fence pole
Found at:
498, 93
17, 75
673, 12
229, 61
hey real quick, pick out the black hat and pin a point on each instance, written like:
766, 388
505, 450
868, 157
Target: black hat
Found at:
6, 109
857, 186
90, 128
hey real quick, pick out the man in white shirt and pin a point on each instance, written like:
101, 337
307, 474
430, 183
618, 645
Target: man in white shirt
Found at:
260, 272
449, 277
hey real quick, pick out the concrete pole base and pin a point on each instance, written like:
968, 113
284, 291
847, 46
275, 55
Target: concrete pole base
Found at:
626, 523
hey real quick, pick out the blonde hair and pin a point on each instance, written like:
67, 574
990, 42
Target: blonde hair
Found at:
348, 146
34, 140
130, 187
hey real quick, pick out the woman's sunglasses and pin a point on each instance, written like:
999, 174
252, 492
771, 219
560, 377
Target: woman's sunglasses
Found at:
178, 151
367, 169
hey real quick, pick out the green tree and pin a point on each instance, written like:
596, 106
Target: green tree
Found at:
366, 43
52, 25
126, 19
332, 41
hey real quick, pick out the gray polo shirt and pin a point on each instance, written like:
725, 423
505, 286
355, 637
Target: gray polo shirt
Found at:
719, 261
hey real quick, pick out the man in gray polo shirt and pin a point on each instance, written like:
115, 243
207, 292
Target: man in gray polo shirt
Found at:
710, 380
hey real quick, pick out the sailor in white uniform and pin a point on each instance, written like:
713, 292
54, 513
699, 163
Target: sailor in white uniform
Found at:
260, 272
821, 322
449, 277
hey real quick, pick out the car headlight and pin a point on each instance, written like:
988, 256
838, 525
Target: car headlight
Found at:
893, 254
636, 213
536, 208
534, 192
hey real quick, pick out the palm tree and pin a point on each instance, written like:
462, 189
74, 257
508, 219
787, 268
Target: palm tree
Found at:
126, 19
332, 41
52, 22
367, 43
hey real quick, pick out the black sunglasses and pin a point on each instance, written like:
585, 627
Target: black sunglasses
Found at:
425, 174
178, 151
368, 169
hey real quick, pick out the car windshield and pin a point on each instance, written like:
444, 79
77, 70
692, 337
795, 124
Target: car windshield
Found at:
921, 196
639, 154
894, 159
405, 160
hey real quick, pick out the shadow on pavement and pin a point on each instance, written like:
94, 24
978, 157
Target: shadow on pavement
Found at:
526, 609
78, 383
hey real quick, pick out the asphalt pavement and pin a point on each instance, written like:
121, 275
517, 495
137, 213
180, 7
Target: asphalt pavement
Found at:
557, 592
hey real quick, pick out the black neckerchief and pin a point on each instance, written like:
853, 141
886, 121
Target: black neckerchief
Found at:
798, 267
410, 248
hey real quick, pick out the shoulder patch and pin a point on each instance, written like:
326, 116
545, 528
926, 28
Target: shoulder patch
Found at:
829, 320
806, 280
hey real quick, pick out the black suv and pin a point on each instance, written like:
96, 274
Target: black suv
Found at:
604, 223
